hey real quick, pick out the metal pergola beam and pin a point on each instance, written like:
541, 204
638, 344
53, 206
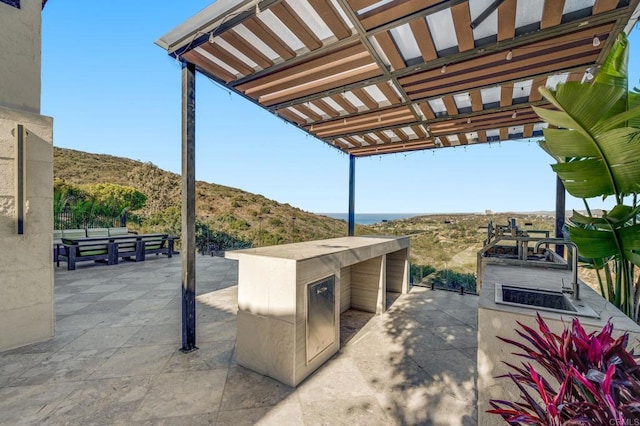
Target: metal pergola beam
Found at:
560, 213
352, 196
188, 207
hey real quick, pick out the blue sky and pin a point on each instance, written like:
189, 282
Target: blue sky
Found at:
112, 91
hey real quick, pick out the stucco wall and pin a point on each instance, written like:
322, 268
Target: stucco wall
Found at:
20, 34
26, 267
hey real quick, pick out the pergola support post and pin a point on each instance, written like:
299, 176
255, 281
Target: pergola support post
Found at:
560, 213
352, 196
188, 207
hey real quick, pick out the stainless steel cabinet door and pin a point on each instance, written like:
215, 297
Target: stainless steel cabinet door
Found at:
320, 316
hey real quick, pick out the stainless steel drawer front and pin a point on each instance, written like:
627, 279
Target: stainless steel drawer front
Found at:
320, 316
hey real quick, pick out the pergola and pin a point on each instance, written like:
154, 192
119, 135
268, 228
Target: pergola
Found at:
372, 77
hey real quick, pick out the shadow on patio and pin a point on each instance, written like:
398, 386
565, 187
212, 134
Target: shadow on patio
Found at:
115, 358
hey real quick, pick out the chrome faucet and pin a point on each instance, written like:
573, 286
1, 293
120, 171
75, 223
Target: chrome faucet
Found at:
574, 262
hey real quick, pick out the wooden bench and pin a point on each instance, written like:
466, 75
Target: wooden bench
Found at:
153, 243
96, 249
77, 234
111, 248
58, 235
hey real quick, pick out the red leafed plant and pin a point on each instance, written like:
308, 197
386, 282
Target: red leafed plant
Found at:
596, 381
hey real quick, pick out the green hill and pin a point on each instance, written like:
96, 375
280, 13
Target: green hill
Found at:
250, 217
439, 241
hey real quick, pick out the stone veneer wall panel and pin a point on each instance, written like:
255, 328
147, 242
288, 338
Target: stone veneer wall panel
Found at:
26, 267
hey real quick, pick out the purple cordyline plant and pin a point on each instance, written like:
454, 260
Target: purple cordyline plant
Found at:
596, 381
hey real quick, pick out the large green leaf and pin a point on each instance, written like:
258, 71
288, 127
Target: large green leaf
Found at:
618, 216
567, 143
613, 72
585, 178
622, 154
593, 243
597, 244
634, 102
576, 107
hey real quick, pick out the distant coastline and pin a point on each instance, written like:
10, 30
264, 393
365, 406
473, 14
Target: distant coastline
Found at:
371, 218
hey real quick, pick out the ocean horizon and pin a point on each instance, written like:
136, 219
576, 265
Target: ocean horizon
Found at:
370, 218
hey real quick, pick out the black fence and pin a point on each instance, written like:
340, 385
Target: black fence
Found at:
71, 220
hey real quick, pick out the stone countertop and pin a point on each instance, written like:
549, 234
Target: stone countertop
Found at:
546, 279
311, 249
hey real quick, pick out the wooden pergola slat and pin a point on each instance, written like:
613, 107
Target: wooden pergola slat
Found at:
535, 94
450, 105
601, 6
291, 116
286, 14
462, 22
345, 104
421, 32
388, 93
361, 4
383, 137
327, 83
507, 20
269, 38
401, 134
552, 13
200, 61
246, 49
353, 141
369, 140
528, 131
365, 98
314, 75
328, 109
392, 11
390, 50
506, 95
308, 112
348, 61
426, 110
530, 51
227, 58
331, 18
345, 55
419, 132
497, 74
476, 100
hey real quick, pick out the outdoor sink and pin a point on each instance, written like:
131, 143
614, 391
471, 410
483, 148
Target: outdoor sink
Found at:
544, 300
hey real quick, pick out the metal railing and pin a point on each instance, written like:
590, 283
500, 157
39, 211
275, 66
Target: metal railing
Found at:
71, 220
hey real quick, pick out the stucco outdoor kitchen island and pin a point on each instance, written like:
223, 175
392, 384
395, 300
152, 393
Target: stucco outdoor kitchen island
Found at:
290, 298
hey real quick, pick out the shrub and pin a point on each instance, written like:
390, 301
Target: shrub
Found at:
596, 381
418, 272
275, 221
446, 278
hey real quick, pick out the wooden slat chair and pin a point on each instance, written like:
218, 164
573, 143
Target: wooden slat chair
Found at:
57, 244
97, 249
119, 231
126, 247
70, 234
153, 243
97, 232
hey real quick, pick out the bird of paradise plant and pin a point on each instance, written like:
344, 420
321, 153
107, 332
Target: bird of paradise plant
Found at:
595, 139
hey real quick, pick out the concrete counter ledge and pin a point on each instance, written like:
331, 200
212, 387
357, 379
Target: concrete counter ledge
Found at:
290, 298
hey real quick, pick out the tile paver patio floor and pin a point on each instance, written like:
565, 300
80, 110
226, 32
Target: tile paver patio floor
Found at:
115, 359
